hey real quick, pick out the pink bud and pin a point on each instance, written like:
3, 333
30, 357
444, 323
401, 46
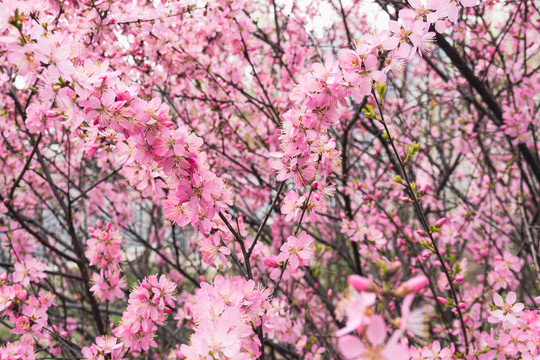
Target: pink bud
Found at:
99, 224
201, 278
109, 225
441, 300
413, 285
360, 283
270, 262
329, 293
420, 232
459, 278
440, 222
424, 188
462, 305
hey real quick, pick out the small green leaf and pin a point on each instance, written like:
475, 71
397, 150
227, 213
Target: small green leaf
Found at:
381, 89
368, 111
399, 180
427, 245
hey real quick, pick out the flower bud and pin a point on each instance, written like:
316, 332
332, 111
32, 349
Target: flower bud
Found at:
413, 285
360, 283
441, 222
441, 300
271, 262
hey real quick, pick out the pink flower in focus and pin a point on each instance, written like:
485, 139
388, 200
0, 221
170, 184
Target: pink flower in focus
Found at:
28, 270
506, 313
297, 250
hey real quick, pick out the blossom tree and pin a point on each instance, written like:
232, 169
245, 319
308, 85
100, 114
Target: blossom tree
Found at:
270, 180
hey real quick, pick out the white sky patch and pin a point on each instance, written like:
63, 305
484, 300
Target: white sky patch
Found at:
20, 82
327, 15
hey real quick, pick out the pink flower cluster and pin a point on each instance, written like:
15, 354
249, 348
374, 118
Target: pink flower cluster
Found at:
147, 307
517, 336
107, 113
307, 149
11, 297
28, 314
17, 351
104, 251
28, 269
227, 314
155, 154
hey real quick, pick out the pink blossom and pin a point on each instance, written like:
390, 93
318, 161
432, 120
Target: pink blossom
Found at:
506, 312
298, 251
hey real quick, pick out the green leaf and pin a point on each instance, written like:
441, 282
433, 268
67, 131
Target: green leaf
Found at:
415, 148
381, 89
368, 111
399, 180
427, 245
